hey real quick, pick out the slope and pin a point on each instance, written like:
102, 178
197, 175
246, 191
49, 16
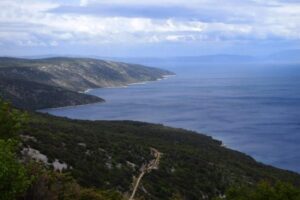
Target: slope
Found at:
107, 154
78, 74
32, 95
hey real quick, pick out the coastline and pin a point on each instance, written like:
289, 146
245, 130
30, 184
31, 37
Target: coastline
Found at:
44, 110
129, 84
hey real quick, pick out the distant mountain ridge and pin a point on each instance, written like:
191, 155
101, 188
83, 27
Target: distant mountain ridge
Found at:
288, 56
59, 79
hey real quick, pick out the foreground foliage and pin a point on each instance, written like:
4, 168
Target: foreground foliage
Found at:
29, 180
14, 180
13, 176
11, 120
51, 185
263, 191
107, 154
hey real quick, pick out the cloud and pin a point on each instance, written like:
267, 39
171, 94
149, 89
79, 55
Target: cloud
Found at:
94, 22
134, 11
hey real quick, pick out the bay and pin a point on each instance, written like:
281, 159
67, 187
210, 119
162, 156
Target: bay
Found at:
253, 108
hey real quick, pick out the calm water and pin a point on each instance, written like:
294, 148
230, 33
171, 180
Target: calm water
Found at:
255, 109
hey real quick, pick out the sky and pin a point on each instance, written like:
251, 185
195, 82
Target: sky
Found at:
147, 28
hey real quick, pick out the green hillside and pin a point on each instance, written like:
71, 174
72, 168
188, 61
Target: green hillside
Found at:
32, 95
107, 154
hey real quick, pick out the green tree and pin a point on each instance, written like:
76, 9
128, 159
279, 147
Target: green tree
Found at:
11, 120
13, 177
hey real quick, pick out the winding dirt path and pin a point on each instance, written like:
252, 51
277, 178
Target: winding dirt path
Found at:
146, 168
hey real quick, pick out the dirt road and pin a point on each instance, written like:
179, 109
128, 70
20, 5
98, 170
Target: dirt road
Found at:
146, 168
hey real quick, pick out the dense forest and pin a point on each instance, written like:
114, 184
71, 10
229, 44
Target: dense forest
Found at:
75, 159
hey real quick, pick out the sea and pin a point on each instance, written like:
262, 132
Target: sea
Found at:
253, 108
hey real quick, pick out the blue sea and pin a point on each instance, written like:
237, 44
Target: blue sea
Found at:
253, 108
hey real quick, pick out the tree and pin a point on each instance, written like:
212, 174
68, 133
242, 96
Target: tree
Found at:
11, 120
13, 177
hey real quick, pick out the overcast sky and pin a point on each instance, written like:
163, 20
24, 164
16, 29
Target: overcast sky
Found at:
148, 27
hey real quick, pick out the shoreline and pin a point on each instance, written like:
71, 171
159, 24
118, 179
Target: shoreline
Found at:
129, 84
44, 110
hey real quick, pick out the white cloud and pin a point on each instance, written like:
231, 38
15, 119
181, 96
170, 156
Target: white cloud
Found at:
84, 2
30, 23
145, 2
177, 38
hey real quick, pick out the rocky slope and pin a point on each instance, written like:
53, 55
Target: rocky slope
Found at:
78, 74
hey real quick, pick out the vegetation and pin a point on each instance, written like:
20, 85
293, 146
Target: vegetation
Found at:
11, 120
13, 177
51, 185
77, 74
107, 154
29, 180
31, 95
263, 191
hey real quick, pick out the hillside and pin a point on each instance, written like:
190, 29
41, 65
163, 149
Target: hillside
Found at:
56, 82
107, 154
78, 74
32, 95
